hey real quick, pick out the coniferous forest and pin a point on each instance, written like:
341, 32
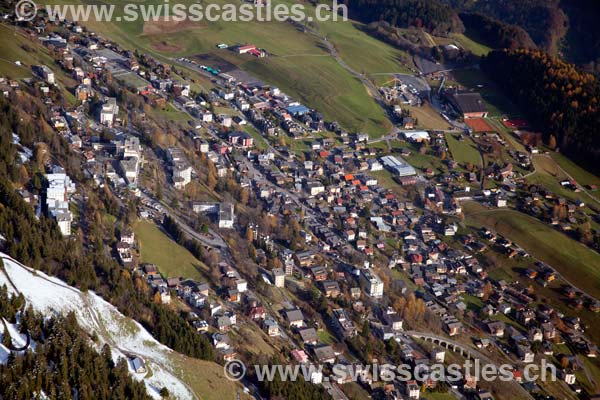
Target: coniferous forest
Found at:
431, 15
63, 365
497, 33
558, 98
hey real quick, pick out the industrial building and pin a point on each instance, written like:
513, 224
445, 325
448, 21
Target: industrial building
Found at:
397, 166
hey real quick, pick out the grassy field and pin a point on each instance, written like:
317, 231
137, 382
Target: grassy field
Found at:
464, 151
549, 174
437, 396
427, 117
259, 141
171, 259
385, 179
582, 176
424, 161
321, 83
16, 47
355, 392
362, 52
299, 64
470, 43
13, 48
255, 340
325, 336
206, 378
574, 261
171, 113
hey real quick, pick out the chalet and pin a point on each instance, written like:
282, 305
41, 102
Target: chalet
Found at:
138, 365
453, 327
228, 354
257, 313
319, 273
241, 139
224, 323
271, 327
173, 282
496, 328
525, 354
295, 318
324, 354
127, 236
200, 325
300, 356
305, 258
416, 136
331, 289
309, 336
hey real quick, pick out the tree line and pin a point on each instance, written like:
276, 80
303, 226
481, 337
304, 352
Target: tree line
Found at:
496, 33
558, 98
431, 15
544, 20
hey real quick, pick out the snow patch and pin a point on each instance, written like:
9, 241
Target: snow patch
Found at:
18, 339
126, 337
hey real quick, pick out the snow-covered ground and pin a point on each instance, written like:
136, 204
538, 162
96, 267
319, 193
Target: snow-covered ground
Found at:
125, 336
18, 339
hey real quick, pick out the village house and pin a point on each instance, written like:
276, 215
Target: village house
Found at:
295, 318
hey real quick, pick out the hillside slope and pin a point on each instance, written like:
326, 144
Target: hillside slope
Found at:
127, 338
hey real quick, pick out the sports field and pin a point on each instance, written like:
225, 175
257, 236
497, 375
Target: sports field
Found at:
478, 125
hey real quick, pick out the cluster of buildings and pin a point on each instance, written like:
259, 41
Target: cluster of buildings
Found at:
350, 222
59, 188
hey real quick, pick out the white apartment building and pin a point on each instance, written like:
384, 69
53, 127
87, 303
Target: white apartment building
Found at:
57, 203
109, 111
373, 285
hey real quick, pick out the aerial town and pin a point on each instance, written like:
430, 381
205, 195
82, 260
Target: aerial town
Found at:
312, 244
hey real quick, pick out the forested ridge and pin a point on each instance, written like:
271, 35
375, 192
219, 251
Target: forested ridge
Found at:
544, 20
583, 37
560, 99
495, 33
430, 15
64, 365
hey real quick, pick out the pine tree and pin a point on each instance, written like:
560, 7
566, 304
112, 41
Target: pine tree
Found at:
6, 339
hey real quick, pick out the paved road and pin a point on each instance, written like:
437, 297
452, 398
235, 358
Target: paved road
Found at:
214, 240
335, 391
